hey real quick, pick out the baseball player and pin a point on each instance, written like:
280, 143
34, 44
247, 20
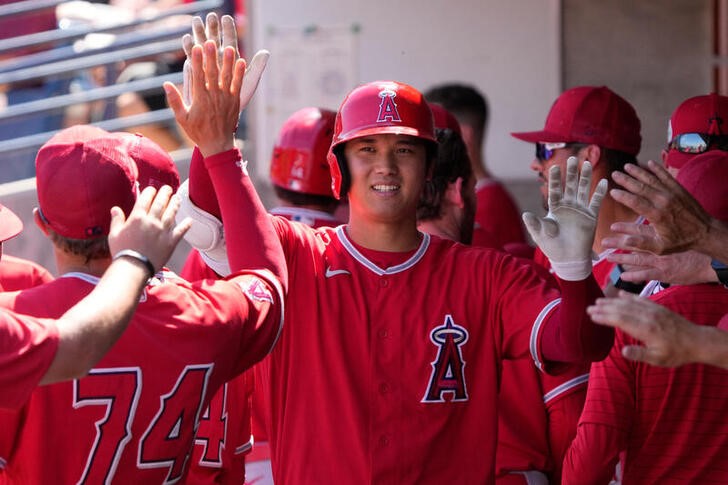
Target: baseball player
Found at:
302, 181
388, 368
43, 351
134, 417
497, 218
591, 123
632, 409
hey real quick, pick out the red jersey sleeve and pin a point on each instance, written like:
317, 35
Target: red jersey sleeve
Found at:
605, 421
27, 348
244, 217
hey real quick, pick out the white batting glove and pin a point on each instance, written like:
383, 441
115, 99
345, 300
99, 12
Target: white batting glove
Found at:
211, 31
566, 233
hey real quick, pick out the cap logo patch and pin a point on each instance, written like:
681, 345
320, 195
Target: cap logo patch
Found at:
388, 108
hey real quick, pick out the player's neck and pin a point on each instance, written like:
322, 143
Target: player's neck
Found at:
440, 228
384, 236
72, 263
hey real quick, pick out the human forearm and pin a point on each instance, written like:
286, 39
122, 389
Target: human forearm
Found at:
93, 325
569, 335
592, 456
715, 243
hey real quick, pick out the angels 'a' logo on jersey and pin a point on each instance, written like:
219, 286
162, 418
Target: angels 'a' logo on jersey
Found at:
448, 369
388, 108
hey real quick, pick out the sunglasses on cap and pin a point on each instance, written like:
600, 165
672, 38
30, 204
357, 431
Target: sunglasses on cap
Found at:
698, 142
544, 151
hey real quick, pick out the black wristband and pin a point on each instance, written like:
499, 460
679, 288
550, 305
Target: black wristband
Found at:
721, 271
130, 253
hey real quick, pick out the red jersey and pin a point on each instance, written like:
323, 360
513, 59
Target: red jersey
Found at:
537, 418
668, 423
235, 417
497, 218
19, 274
376, 380
27, 348
133, 419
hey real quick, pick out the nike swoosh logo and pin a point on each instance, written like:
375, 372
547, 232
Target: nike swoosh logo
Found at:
333, 272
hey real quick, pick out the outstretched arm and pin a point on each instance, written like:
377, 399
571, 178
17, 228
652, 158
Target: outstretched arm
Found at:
93, 325
566, 236
668, 339
677, 221
209, 121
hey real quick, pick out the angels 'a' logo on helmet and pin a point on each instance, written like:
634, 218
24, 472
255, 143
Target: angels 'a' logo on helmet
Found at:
448, 369
388, 108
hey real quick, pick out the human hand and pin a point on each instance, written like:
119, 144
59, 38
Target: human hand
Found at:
677, 221
566, 233
686, 268
212, 115
210, 30
150, 228
668, 339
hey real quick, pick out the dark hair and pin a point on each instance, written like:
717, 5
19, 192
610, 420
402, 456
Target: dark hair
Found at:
96, 248
465, 102
300, 199
452, 162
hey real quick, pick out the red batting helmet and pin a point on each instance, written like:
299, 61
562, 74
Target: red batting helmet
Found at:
379, 107
299, 155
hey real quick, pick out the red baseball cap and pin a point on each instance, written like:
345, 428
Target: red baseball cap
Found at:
704, 177
79, 178
444, 120
706, 114
10, 224
592, 115
154, 165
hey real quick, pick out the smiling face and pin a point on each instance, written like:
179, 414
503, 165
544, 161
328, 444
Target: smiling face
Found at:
387, 177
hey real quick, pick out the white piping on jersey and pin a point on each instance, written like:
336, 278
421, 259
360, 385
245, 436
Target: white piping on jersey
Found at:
568, 385
349, 246
94, 280
245, 446
3, 463
303, 212
537, 327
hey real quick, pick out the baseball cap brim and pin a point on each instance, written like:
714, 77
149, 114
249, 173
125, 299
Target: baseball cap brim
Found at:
539, 137
10, 224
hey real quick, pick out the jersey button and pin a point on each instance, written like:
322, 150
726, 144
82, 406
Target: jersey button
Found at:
384, 283
384, 440
383, 388
383, 333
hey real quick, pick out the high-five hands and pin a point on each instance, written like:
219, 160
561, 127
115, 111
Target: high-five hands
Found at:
566, 233
201, 33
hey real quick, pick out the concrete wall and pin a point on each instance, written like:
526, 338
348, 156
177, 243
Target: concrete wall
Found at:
654, 53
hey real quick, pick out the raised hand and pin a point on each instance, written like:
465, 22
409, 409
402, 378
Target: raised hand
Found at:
210, 30
212, 114
667, 338
150, 228
686, 268
566, 233
677, 221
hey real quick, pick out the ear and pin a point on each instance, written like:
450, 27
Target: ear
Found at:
663, 154
39, 221
592, 153
454, 193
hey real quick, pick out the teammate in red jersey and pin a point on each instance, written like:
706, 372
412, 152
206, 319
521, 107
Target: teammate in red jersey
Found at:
631, 407
376, 381
134, 417
497, 218
42, 351
302, 181
596, 124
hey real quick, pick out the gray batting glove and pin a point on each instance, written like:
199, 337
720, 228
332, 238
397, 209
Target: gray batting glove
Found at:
566, 233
